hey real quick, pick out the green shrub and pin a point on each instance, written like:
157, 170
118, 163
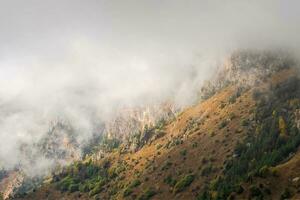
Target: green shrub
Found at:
255, 191
127, 192
239, 189
232, 99
73, 187
183, 183
177, 142
205, 195
120, 168
195, 144
135, 183
274, 172
286, 194
235, 95
147, 194
223, 124
214, 184
65, 183
83, 188
183, 152
96, 188
244, 122
264, 172
83, 177
129, 189
206, 170
167, 165
170, 181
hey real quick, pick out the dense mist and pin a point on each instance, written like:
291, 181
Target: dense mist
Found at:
80, 61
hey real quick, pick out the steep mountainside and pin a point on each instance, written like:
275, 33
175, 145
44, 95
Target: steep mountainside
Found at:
239, 142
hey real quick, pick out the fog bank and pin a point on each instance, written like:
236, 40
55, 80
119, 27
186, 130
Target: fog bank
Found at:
82, 60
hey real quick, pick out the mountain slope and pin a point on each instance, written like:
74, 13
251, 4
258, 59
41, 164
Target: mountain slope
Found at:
193, 155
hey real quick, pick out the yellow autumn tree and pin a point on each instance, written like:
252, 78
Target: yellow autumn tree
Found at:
282, 126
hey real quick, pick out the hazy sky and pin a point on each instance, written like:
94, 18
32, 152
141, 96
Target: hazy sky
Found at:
80, 59
130, 46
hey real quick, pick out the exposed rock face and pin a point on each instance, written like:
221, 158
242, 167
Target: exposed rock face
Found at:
134, 127
57, 147
246, 68
132, 120
10, 183
60, 143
